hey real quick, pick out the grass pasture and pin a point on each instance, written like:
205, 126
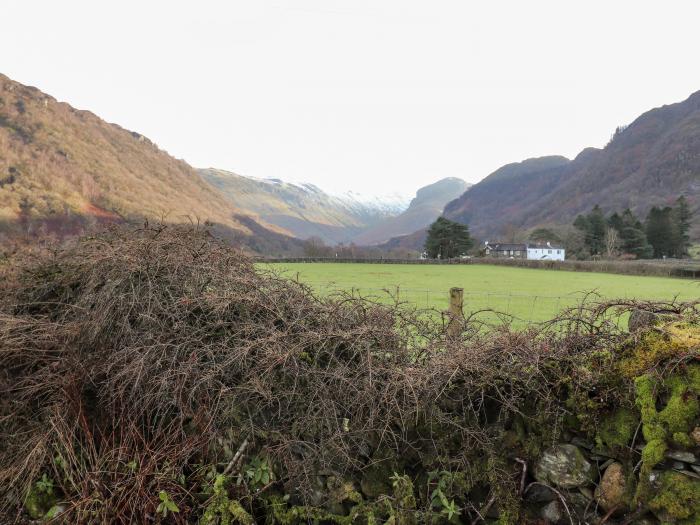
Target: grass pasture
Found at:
530, 295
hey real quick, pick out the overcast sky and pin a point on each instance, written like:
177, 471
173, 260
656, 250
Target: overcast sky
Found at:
375, 96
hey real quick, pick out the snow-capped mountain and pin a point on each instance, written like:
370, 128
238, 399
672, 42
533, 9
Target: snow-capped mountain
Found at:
304, 210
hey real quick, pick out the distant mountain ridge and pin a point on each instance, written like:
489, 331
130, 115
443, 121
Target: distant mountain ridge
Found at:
650, 162
303, 210
425, 207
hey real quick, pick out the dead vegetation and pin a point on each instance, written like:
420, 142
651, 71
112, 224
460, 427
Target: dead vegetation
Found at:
153, 375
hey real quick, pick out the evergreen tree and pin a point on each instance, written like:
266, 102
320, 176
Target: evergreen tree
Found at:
598, 228
594, 226
616, 221
659, 230
681, 226
633, 238
447, 239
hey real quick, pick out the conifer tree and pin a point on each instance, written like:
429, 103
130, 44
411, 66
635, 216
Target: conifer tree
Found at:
447, 239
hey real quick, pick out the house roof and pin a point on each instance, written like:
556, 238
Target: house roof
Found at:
507, 246
503, 246
545, 246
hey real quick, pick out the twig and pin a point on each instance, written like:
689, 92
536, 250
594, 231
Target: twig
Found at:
484, 510
236, 457
610, 513
522, 476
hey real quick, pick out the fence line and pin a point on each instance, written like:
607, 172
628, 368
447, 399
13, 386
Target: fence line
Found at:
661, 268
523, 308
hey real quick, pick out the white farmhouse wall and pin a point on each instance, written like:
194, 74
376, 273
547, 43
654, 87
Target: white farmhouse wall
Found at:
546, 254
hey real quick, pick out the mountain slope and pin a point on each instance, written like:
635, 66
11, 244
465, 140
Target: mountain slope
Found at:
652, 161
301, 210
63, 169
422, 210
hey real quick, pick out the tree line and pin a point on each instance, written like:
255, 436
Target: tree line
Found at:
664, 232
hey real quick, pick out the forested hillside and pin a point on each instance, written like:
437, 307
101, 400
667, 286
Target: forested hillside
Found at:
649, 163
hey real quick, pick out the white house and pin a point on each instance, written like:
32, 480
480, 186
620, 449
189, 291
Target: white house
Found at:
538, 252
546, 252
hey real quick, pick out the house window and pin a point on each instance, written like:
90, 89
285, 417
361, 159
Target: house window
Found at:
558, 252
549, 251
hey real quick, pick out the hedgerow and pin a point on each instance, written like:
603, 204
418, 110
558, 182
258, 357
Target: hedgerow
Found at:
155, 375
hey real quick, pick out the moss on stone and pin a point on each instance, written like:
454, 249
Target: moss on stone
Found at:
674, 422
652, 455
645, 390
677, 499
682, 408
37, 504
655, 347
683, 440
617, 429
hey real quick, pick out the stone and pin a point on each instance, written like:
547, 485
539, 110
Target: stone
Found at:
695, 435
611, 492
696, 468
564, 466
681, 455
553, 512
679, 465
641, 319
538, 493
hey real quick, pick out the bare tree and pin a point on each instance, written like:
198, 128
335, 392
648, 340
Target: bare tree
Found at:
612, 243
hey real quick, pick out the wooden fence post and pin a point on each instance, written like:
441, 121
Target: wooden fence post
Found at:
455, 312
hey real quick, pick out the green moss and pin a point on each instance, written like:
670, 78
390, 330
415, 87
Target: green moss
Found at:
682, 408
37, 504
41, 498
645, 389
340, 492
652, 455
652, 348
683, 440
673, 422
677, 498
403, 491
618, 429
223, 510
280, 513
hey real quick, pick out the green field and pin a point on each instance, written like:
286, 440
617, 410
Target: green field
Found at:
529, 295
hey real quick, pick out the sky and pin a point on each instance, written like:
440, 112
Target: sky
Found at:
373, 96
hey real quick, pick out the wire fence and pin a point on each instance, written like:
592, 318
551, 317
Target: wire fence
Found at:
521, 309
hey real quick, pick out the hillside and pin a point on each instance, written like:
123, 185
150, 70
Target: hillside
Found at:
422, 210
62, 170
302, 210
652, 161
